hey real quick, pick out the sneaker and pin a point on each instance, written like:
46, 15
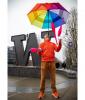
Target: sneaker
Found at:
55, 94
41, 95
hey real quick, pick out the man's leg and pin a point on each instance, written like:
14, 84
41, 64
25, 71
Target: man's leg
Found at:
52, 71
43, 76
42, 81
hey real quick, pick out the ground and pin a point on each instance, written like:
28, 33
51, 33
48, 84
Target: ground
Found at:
23, 88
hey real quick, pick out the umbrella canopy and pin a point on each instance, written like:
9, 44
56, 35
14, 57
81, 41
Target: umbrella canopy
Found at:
44, 14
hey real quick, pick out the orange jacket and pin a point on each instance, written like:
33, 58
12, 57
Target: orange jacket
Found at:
48, 50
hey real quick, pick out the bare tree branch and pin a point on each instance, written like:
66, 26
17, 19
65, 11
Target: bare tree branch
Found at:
71, 52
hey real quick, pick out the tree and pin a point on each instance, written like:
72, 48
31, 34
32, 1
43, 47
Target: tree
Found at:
71, 39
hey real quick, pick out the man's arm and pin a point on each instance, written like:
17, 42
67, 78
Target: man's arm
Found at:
40, 49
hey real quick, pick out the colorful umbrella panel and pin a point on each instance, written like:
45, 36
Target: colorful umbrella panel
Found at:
43, 14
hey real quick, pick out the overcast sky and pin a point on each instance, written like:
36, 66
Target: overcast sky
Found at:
18, 22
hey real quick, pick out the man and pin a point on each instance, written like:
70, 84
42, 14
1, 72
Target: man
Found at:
47, 53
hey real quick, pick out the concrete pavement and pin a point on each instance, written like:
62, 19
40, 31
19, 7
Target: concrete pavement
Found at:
28, 88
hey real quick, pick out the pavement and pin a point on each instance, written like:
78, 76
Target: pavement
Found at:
24, 88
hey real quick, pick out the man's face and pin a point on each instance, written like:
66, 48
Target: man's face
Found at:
46, 38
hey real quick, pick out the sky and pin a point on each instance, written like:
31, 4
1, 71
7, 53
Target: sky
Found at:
18, 23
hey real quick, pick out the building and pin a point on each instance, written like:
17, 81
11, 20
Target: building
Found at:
11, 55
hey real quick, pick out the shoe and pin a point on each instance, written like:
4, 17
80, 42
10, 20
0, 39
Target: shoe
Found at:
55, 94
41, 95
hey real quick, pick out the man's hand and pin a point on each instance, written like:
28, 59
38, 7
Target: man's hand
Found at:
60, 41
59, 45
39, 49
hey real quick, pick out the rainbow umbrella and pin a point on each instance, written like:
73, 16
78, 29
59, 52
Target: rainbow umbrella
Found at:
48, 15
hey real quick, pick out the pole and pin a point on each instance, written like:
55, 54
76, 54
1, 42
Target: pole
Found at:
48, 22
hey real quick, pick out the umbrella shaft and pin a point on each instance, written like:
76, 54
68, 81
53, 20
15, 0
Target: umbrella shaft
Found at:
48, 22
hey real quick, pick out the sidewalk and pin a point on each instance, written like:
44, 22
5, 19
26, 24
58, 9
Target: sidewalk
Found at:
28, 88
